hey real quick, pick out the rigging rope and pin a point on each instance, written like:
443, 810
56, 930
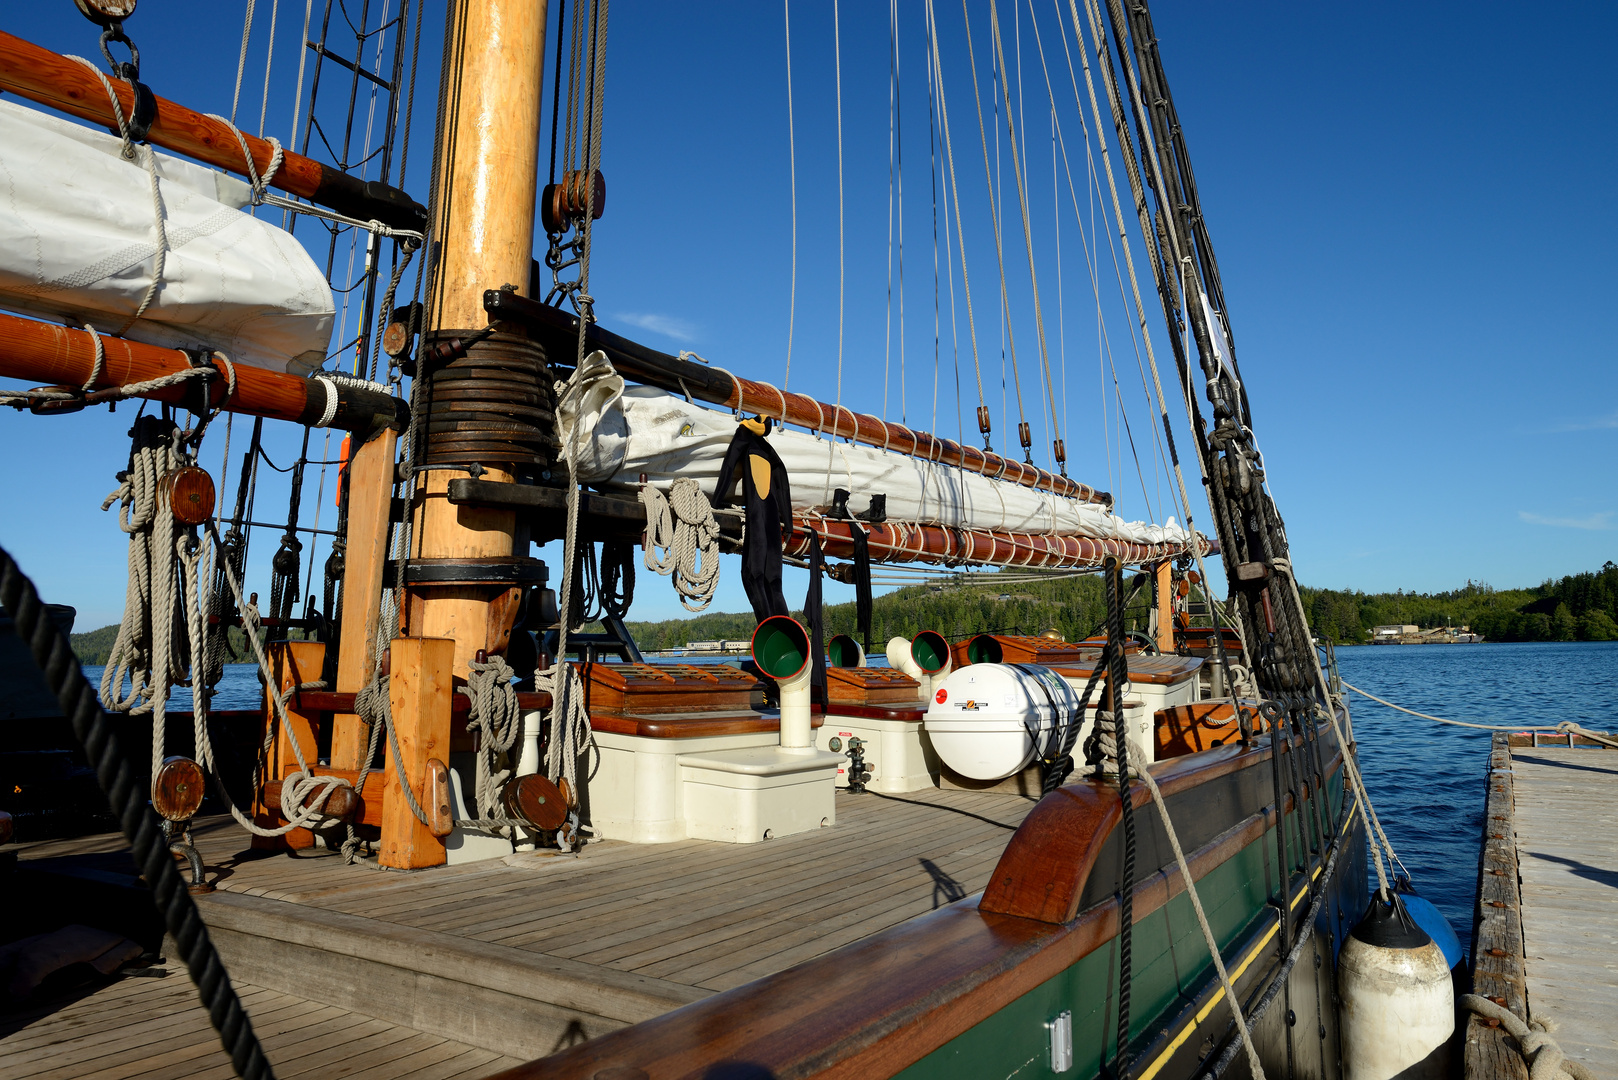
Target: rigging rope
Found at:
570, 725
953, 191
792, 171
1028, 238
496, 721
1566, 727
999, 253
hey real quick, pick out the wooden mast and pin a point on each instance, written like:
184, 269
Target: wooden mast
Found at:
487, 161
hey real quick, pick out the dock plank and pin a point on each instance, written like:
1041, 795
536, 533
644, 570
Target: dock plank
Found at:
1566, 822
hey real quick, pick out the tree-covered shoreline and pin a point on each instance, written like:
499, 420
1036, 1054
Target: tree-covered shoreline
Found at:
1579, 607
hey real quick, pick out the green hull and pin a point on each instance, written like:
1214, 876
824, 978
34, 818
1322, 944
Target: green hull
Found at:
1178, 1013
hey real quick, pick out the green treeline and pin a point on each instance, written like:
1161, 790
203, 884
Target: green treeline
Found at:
95, 646
1579, 607
1074, 605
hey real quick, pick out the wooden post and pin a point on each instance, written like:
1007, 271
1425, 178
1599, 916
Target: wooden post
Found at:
419, 690
292, 663
489, 160
370, 493
1165, 606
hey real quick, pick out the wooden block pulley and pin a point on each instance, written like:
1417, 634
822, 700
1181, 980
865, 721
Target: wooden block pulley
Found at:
536, 800
105, 12
189, 491
177, 789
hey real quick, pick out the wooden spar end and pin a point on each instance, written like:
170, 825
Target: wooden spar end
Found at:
51, 79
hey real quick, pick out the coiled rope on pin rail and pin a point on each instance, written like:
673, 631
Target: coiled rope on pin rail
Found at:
98, 734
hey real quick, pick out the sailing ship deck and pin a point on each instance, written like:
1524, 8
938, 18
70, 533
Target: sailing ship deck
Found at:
1547, 939
655, 926
156, 1029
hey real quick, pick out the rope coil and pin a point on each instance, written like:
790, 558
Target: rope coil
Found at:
682, 540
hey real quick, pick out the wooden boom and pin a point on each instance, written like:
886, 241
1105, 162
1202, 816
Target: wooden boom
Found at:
902, 542
51, 79
46, 353
720, 387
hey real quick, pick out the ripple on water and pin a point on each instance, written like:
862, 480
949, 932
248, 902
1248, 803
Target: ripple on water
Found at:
1427, 779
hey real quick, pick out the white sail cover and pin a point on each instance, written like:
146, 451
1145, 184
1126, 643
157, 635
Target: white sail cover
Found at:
78, 238
627, 431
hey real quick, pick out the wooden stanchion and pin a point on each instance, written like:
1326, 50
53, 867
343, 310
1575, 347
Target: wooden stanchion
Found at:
292, 663
419, 687
1165, 606
369, 483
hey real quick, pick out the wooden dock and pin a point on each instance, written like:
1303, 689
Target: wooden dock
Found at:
527, 955
1546, 944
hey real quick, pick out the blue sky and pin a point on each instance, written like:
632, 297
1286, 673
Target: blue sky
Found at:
1411, 207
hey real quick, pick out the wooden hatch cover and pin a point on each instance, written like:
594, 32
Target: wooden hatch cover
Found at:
1019, 649
869, 686
649, 689
1164, 670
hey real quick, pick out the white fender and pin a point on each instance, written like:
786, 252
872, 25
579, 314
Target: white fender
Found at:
1398, 1003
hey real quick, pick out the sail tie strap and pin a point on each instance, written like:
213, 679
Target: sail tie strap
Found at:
682, 540
1545, 1059
131, 153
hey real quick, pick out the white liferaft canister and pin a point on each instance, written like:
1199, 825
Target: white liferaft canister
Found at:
988, 721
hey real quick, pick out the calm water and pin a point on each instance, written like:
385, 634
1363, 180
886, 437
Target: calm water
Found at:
1426, 779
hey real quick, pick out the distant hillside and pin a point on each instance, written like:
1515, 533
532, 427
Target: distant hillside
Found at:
95, 646
1579, 607
1074, 605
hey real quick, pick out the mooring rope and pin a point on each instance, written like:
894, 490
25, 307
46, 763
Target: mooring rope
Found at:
1544, 1058
1566, 727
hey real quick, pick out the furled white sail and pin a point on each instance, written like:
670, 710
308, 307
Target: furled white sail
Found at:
78, 237
625, 432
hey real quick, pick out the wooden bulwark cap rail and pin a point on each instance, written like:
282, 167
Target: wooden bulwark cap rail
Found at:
46, 353
51, 79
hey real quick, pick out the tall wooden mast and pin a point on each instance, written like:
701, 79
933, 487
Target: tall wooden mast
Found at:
487, 170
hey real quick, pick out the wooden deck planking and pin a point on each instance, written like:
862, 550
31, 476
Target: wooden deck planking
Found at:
1566, 824
157, 1029
696, 913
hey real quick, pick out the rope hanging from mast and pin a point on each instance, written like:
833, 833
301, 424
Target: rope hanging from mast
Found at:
570, 725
